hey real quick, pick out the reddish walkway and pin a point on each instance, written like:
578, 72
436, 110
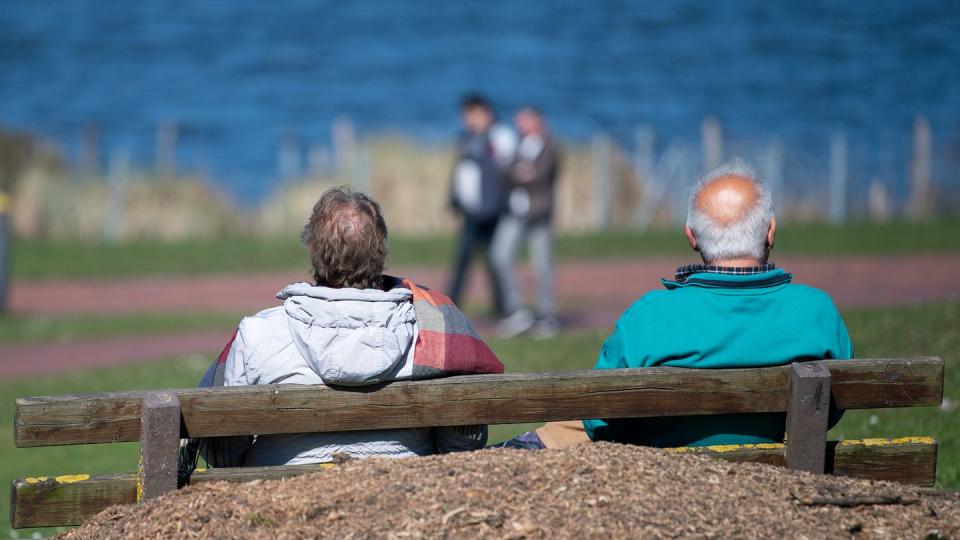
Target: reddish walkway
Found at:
592, 295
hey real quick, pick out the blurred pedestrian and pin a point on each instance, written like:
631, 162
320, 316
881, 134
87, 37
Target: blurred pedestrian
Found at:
531, 180
484, 150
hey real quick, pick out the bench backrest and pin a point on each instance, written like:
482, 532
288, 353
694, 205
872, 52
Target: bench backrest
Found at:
488, 399
159, 419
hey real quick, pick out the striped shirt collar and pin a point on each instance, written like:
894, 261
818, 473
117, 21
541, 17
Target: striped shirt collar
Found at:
688, 270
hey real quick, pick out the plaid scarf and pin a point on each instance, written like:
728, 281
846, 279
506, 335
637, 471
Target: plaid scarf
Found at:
688, 270
446, 343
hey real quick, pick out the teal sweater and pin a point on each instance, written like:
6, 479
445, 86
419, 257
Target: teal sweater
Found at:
719, 321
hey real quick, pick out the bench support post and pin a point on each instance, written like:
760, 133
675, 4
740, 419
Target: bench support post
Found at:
159, 444
807, 416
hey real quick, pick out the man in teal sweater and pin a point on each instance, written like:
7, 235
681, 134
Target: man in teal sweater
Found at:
737, 310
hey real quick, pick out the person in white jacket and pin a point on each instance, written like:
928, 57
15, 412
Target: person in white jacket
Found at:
344, 330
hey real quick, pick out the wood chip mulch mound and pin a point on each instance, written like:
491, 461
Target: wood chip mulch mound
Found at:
600, 490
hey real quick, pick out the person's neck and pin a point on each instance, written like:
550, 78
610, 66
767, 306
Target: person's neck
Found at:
736, 263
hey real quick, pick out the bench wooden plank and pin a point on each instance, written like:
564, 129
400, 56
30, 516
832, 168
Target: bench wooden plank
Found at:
807, 415
159, 445
915, 457
69, 500
492, 399
908, 460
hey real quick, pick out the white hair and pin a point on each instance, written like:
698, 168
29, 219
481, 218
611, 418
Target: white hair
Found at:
743, 238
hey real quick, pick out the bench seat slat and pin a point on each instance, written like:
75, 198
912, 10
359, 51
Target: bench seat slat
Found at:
69, 500
491, 399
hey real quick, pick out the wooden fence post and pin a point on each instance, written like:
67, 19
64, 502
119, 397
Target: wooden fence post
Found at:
643, 164
807, 414
711, 145
921, 168
838, 179
159, 444
601, 154
344, 145
773, 170
288, 160
165, 153
118, 176
90, 151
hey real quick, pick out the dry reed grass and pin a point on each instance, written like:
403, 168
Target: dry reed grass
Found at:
410, 181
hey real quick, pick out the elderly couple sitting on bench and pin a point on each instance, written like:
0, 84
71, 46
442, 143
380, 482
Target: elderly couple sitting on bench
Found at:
355, 326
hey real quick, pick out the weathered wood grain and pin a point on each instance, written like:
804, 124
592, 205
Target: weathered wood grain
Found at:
807, 413
915, 460
159, 444
69, 500
492, 399
908, 460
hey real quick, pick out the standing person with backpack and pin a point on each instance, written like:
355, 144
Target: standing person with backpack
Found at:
484, 151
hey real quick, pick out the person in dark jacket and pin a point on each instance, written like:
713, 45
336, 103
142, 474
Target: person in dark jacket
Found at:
484, 150
531, 180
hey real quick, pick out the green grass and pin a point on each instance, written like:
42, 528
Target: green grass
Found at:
66, 259
927, 330
33, 329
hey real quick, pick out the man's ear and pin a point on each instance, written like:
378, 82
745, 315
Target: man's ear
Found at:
771, 233
691, 238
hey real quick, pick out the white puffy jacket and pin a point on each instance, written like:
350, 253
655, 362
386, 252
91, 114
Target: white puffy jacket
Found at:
346, 337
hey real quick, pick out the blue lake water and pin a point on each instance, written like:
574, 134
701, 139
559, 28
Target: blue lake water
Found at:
237, 76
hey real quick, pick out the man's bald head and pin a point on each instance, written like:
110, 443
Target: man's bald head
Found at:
731, 214
727, 198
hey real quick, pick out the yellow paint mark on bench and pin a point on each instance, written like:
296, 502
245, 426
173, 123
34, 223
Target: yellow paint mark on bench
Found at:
140, 479
888, 442
71, 478
65, 479
779, 446
721, 448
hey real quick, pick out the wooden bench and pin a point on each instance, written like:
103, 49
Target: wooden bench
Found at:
158, 420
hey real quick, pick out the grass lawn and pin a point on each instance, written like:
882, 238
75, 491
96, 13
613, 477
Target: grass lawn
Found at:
928, 330
32, 329
66, 259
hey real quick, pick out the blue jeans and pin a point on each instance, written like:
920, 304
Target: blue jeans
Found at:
526, 441
507, 241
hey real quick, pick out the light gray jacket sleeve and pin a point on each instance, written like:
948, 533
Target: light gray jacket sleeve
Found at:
459, 438
230, 451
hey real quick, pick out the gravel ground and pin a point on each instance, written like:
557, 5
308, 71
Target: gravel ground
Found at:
600, 490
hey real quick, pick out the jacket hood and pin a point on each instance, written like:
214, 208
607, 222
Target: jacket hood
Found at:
351, 337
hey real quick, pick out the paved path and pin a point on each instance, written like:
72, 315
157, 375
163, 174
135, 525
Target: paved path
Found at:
592, 295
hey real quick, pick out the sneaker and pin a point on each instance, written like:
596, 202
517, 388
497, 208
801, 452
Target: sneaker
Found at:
515, 324
546, 328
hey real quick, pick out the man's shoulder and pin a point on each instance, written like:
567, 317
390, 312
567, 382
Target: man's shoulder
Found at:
650, 302
810, 295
